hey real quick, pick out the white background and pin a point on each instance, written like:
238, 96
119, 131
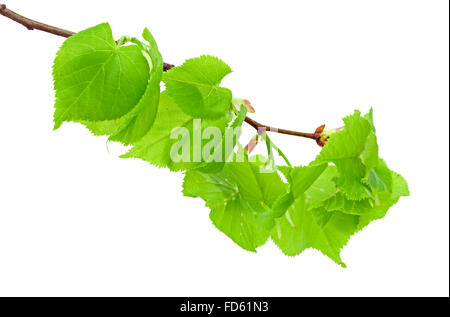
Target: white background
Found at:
77, 220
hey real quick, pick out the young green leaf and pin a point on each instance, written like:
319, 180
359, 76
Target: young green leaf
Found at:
194, 86
300, 179
94, 79
253, 185
236, 203
348, 150
135, 124
380, 177
141, 118
303, 177
302, 228
339, 202
324, 187
385, 200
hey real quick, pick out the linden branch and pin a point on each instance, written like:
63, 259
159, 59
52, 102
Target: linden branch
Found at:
36, 25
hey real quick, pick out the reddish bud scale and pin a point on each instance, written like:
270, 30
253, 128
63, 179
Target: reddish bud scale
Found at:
318, 135
249, 106
252, 144
323, 135
237, 102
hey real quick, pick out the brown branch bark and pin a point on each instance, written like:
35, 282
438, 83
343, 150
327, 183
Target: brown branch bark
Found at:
36, 25
32, 24
262, 128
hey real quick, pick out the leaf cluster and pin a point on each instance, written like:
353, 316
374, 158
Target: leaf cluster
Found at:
114, 89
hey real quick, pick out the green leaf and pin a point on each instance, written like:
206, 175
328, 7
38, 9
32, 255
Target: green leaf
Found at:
106, 127
385, 200
369, 117
380, 177
324, 187
339, 202
286, 171
236, 202
369, 155
239, 222
155, 147
194, 86
140, 119
94, 79
351, 178
302, 228
135, 124
303, 177
255, 186
399, 186
348, 143
300, 180
324, 196
280, 206
349, 150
